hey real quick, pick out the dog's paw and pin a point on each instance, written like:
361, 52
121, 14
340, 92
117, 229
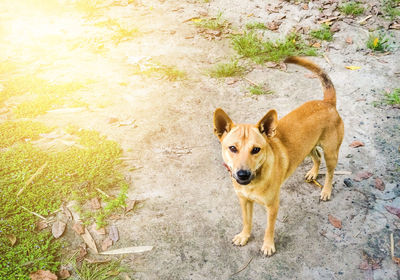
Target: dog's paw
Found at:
325, 194
311, 175
240, 239
268, 249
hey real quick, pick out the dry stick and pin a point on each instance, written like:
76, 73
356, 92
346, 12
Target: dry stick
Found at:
327, 20
36, 214
391, 245
364, 19
37, 173
327, 60
103, 193
250, 81
242, 268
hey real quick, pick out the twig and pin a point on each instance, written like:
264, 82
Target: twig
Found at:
391, 245
250, 81
37, 173
364, 19
357, 234
36, 214
247, 264
103, 193
315, 182
327, 20
327, 60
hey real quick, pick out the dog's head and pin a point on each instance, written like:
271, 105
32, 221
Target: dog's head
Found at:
245, 147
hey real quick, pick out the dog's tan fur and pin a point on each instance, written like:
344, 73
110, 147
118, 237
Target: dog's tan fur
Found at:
283, 146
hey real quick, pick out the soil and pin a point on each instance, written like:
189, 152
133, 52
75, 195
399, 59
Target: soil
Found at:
189, 211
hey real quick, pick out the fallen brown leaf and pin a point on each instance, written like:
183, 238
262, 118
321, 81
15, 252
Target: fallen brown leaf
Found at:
106, 243
393, 210
362, 176
349, 40
379, 184
356, 144
304, 6
41, 225
82, 253
79, 228
130, 205
316, 45
64, 274
43, 275
12, 239
335, 222
95, 203
113, 233
58, 229
395, 26
396, 260
273, 25
87, 237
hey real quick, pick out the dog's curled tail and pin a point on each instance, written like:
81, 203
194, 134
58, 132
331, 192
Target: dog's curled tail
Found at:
329, 89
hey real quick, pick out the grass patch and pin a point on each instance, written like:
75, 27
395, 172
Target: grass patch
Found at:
256, 25
217, 23
94, 271
259, 89
171, 73
324, 33
378, 42
73, 174
17, 131
351, 8
227, 69
391, 9
393, 98
48, 96
260, 51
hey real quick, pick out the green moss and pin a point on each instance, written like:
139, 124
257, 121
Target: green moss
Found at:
251, 46
259, 90
15, 131
324, 33
256, 25
227, 69
352, 8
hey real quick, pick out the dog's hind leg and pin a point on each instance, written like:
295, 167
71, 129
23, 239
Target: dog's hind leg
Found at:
316, 158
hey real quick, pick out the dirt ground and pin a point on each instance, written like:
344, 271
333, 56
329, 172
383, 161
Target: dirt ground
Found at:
190, 212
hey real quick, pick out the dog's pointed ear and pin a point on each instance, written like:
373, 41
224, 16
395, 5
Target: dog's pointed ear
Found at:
222, 123
268, 123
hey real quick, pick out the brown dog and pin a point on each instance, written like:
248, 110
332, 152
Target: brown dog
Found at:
261, 157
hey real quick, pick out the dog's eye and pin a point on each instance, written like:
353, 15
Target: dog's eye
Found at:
233, 149
255, 150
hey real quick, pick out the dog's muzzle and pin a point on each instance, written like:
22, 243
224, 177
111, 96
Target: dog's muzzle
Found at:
243, 177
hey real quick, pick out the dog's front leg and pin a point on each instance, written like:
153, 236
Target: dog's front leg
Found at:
268, 247
247, 216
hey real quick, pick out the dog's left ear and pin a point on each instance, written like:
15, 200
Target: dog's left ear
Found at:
268, 123
222, 123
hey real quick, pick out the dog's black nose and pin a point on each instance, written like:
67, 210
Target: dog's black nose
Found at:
243, 175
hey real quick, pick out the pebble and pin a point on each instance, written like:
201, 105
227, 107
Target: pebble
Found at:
348, 182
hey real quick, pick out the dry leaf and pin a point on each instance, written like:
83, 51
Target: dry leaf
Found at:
273, 25
58, 229
393, 210
335, 222
396, 260
349, 40
356, 144
41, 225
64, 274
362, 176
100, 231
128, 250
113, 233
316, 45
82, 253
379, 184
130, 205
95, 203
353, 67
43, 275
89, 241
271, 64
12, 239
304, 6
106, 243
79, 228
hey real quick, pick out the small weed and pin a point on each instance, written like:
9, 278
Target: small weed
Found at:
93, 271
256, 25
259, 90
227, 69
391, 8
351, 8
250, 46
17, 131
217, 23
324, 33
378, 42
171, 73
393, 98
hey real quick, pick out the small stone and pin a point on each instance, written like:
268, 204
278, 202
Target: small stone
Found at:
348, 182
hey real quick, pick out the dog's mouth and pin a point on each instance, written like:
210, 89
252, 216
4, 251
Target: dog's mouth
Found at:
243, 182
